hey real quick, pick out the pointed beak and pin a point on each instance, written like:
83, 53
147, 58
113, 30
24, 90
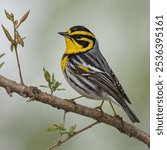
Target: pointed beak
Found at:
63, 34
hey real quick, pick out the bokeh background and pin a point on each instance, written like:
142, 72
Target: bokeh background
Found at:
122, 29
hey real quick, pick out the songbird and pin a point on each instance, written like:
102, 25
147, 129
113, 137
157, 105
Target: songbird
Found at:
88, 72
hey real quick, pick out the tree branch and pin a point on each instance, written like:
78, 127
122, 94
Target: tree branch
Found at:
37, 95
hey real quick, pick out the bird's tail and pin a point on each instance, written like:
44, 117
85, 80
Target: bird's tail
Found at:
130, 113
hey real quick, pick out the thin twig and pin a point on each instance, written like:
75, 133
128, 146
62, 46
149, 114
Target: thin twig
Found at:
16, 52
60, 142
18, 64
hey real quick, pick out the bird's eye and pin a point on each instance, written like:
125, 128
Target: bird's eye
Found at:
78, 36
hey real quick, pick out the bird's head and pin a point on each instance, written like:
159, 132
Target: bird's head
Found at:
78, 39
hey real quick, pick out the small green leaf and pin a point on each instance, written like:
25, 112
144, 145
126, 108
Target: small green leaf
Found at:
46, 75
53, 128
9, 16
12, 47
2, 55
19, 39
24, 17
60, 89
53, 77
56, 85
7, 34
71, 130
52, 83
12, 15
44, 86
50, 86
1, 64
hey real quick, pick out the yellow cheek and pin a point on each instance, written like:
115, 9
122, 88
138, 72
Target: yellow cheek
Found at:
72, 46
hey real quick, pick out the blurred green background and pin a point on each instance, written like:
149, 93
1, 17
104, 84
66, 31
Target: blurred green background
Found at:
122, 29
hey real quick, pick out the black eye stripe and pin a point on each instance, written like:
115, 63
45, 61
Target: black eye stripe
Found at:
83, 43
78, 36
80, 41
83, 39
